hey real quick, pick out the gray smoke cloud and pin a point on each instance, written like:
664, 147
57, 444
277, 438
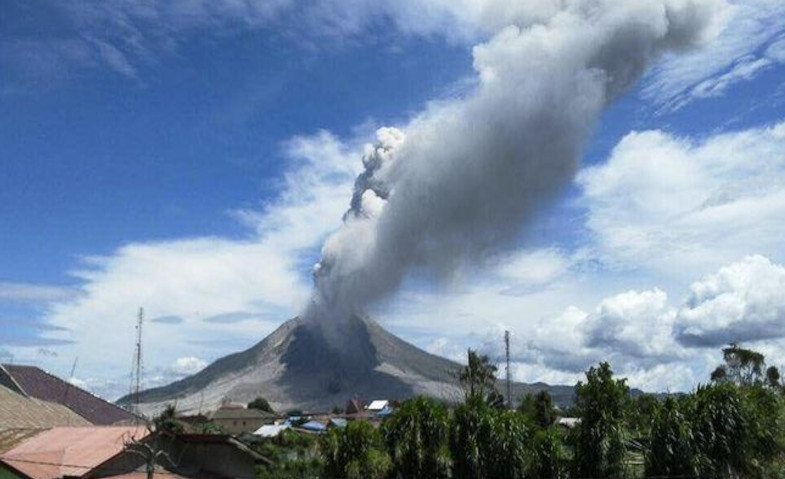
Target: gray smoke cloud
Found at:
460, 179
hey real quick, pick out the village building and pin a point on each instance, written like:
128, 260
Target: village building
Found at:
122, 452
238, 420
35, 383
22, 417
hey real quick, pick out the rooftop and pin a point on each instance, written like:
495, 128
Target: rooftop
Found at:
69, 451
21, 412
37, 383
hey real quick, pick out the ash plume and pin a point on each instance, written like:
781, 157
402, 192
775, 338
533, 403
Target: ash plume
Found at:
461, 179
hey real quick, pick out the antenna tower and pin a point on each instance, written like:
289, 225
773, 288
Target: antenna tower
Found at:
138, 362
507, 353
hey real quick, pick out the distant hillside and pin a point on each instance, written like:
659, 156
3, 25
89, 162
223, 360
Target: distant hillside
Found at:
295, 367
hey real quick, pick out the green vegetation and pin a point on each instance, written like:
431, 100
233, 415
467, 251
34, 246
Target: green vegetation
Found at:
261, 404
730, 428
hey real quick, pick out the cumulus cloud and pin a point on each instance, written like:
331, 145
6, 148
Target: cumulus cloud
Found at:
460, 179
187, 365
742, 302
669, 204
200, 284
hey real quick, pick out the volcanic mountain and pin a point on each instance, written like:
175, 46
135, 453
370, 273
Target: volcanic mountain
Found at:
300, 365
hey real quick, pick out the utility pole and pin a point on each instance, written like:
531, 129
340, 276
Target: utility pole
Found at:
138, 363
509, 373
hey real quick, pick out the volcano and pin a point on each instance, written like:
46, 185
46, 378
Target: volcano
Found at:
297, 367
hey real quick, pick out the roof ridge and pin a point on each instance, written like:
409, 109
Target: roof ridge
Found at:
10, 376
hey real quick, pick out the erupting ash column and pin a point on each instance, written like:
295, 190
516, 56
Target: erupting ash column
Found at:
462, 177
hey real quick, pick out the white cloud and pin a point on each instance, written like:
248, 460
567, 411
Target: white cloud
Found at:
187, 365
742, 302
264, 275
738, 54
670, 205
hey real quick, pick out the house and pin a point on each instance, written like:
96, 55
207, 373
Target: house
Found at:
237, 420
104, 452
214, 456
354, 406
312, 427
33, 382
378, 406
73, 452
22, 417
271, 430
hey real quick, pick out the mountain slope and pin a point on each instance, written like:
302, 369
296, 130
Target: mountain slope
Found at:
301, 366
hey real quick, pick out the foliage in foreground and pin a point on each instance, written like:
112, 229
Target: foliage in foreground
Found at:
731, 428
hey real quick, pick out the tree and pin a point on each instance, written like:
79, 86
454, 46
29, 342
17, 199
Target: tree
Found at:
355, 452
547, 459
486, 442
261, 404
416, 439
478, 377
167, 421
599, 444
538, 409
720, 427
742, 366
773, 377
672, 449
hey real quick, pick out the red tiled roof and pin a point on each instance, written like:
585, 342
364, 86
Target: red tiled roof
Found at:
39, 384
70, 451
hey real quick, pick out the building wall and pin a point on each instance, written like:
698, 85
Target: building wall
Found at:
220, 459
240, 425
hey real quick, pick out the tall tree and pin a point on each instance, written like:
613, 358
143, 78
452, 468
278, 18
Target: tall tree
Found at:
416, 440
538, 409
478, 377
486, 442
672, 449
355, 452
599, 444
741, 366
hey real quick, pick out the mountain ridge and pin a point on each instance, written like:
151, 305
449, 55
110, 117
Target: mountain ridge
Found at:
301, 366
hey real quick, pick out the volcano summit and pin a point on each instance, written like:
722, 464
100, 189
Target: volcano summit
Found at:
296, 367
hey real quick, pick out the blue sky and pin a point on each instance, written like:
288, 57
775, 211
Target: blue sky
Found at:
192, 159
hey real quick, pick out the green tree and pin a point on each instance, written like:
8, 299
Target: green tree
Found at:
538, 409
416, 439
167, 421
773, 377
547, 458
742, 366
720, 429
478, 377
599, 442
486, 442
355, 452
261, 404
672, 449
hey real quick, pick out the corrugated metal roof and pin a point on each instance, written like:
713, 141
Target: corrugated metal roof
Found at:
70, 451
21, 412
39, 384
378, 405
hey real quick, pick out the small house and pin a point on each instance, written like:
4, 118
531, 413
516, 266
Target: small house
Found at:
234, 420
